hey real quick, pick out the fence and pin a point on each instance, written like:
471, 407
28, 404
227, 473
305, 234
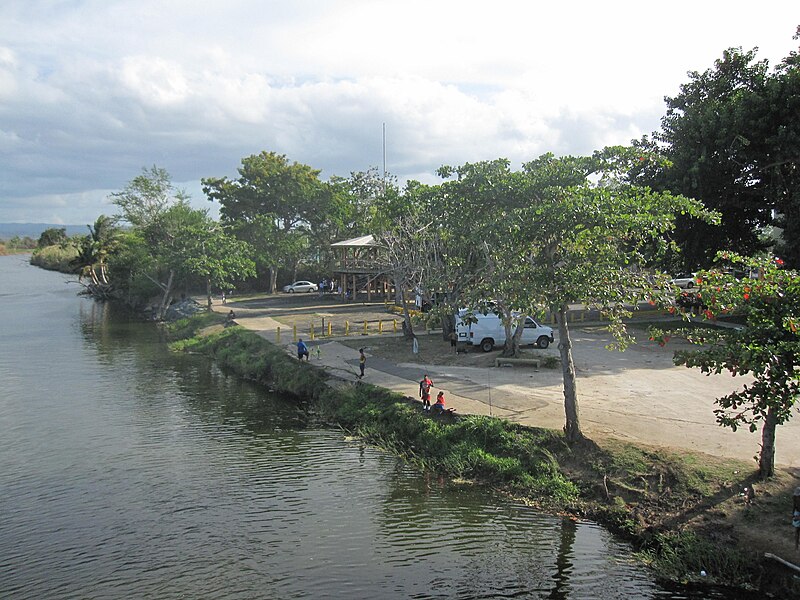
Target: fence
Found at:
329, 330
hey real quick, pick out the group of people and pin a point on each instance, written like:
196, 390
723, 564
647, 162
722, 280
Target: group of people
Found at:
437, 407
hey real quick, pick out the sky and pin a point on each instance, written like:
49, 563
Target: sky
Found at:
93, 91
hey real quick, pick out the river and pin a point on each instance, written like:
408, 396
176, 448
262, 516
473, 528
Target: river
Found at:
127, 471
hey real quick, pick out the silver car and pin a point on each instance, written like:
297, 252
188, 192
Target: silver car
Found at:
300, 286
685, 281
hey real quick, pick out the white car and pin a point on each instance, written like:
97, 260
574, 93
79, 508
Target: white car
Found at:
300, 286
685, 281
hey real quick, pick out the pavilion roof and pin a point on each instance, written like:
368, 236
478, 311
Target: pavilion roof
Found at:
360, 242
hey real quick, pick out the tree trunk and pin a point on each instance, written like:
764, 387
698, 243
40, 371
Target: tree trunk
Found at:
165, 299
208, 293
572, 428
766, 460
448, 325
273, 279
408, 329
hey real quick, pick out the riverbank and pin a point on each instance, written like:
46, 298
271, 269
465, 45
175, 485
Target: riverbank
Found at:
681, 510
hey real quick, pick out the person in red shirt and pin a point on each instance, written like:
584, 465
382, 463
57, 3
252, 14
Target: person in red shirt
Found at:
438, 407
425, 392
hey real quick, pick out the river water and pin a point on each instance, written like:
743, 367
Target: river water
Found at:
130, 472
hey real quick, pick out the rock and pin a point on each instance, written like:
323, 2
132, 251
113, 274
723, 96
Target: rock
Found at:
183, 308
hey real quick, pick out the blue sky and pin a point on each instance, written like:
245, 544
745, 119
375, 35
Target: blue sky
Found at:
92, 91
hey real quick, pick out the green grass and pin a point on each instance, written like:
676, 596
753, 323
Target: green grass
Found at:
55, 258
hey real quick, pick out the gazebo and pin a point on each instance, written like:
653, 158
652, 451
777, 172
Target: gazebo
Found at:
358, 268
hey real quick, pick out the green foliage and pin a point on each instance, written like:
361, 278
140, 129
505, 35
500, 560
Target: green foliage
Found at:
683, 555
147, 196
53, 236
55, 258
766, 348
730, 138
277, 206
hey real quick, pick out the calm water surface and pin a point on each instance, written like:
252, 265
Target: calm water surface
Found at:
129, 472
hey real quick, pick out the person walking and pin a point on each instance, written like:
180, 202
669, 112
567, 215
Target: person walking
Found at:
425, 392
362, 361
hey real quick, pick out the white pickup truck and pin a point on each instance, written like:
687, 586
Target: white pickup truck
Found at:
488, 331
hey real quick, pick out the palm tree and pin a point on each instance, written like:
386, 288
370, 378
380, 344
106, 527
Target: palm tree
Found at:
94, 250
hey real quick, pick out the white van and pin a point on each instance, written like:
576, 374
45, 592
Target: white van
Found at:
488, 332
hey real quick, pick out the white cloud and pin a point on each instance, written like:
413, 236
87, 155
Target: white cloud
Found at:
91, 91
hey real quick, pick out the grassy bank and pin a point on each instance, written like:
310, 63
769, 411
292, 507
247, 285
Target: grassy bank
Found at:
55, 258
660, 501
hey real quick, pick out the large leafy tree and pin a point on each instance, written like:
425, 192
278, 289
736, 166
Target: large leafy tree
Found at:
732, 140
275, 200
578, 235
767, 348
207, 251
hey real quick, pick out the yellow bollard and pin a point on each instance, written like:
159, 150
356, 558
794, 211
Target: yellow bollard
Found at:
347, 328
380, 326
330, 329
394, 322
365, 328
278, 335
294, 332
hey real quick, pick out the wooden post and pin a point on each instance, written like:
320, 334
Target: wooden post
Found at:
394, 323
347, 328
312, 331
330, 329
380, 326
294, 332
365, 328
278, 335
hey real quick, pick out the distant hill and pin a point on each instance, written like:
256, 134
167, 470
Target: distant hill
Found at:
34, 230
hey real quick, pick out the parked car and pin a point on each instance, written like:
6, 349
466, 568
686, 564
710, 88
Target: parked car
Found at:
685, 280
300, 286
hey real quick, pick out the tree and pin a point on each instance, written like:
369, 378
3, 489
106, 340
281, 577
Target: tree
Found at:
147, 196
93, 254
218, 257
52, 236
766, 348
577, 236
291, 196
732, 140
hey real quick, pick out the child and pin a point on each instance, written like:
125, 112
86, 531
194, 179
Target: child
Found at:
362, 361
438, 406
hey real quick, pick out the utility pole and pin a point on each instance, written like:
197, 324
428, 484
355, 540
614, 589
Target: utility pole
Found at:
384, 158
